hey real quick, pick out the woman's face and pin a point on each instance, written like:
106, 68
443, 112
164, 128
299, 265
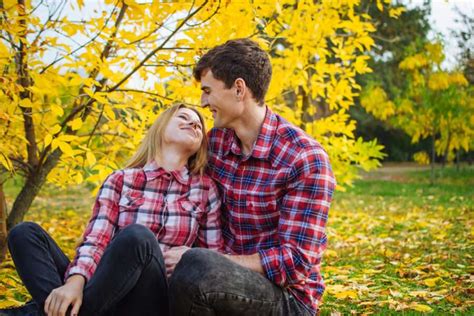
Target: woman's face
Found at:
184, 129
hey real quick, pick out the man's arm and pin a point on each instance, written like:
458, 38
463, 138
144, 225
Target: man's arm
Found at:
302, 224
252, 262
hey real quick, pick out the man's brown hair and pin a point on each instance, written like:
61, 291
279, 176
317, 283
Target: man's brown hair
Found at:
238, 58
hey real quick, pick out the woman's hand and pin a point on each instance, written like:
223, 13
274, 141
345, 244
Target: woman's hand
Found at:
64, 296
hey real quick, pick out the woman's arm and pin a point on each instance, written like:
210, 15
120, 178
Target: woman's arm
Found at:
96, 237
100, 229
210, 229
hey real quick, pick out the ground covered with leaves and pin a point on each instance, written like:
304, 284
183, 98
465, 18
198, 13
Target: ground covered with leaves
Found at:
396, 243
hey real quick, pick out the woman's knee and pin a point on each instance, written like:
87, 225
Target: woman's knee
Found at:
22, 232
136, 235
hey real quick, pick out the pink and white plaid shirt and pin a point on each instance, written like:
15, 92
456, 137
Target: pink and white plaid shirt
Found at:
180, 208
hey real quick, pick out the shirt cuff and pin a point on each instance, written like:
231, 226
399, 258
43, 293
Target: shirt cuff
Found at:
78, 270
271, 263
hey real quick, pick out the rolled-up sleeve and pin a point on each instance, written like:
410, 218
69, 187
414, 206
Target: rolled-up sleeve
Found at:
302, 224
100, 228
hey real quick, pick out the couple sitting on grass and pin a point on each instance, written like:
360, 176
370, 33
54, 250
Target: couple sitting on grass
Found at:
228, 223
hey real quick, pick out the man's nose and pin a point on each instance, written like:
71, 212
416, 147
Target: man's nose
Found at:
204, 102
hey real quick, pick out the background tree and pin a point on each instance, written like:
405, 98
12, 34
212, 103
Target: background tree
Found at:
394, 40
79, 86
435, 104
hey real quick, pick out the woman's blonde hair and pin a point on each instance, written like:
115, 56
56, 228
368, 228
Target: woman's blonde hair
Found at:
149, 146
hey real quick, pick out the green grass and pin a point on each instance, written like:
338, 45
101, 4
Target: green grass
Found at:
392, 234
395, 243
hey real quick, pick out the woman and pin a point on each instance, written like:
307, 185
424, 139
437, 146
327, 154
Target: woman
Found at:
161, 200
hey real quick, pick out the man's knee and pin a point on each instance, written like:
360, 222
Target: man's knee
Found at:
193, 270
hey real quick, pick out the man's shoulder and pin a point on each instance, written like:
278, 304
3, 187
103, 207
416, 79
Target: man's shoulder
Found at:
294, 139
218, 139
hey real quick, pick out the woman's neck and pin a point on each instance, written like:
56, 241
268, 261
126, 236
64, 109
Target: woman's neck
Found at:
170, 159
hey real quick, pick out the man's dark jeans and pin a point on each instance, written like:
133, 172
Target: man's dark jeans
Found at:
129, 280
206, 283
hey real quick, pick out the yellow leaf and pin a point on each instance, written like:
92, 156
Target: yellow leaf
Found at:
26, 103
57, 110
346, 294
48, 139
75, 124
109, 113
431, 282
55, 129
90, 158
421, 308
66, 148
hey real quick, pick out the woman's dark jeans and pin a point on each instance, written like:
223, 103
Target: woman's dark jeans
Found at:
206, 283
129, 280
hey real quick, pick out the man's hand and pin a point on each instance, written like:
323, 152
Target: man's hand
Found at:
64, 296
251, 262
172, 257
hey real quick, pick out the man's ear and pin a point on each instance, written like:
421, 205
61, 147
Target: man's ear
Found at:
240, 87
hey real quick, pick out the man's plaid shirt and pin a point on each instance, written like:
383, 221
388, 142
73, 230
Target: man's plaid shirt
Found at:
276, 202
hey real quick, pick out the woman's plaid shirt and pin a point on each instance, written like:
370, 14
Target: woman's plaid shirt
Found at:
180, 208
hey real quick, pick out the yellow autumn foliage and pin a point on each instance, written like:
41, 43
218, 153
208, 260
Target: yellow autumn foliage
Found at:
91, 88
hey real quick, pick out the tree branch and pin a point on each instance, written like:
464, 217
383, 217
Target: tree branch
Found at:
80, 46
153, 52
24, 81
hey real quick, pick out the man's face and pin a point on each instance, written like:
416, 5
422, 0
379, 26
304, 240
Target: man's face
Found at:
222, 102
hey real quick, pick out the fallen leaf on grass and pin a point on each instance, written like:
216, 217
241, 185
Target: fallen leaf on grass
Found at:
421, 307
432, 281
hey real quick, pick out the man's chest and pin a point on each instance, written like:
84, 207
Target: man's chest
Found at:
252, 186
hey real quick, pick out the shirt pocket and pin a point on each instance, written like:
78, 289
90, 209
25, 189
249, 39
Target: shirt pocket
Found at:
131, 200
261, 213
180, 222
135, 208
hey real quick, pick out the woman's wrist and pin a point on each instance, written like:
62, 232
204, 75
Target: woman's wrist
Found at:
76, 279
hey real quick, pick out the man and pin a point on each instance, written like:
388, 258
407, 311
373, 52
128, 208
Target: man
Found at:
276, 184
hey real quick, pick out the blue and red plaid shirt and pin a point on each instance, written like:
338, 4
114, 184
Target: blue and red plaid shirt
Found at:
179, 207
276, 202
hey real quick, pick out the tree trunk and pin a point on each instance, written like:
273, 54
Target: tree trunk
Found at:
3, 224
446, 151
30, 190
457, 159
433, 156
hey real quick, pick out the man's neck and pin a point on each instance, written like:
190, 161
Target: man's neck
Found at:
249, 126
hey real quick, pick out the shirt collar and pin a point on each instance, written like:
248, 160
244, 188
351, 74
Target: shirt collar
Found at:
263, 144
153, 171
